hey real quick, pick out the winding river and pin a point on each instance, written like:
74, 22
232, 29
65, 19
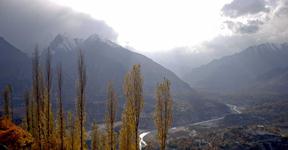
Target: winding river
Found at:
234, 109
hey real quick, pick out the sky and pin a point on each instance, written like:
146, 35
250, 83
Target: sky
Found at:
217, 27
155, 25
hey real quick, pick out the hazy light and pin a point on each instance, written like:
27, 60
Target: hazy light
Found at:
154, 25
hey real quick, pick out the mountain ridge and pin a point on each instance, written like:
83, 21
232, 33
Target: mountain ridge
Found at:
107, 61
237, 71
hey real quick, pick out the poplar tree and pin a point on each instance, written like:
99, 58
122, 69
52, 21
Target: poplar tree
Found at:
60, 107
48, 91
71, 132
37, 94
163, 112
33, 111
7, 96
28, 111
102, 140
76, 135
110, 117
95, 139
134, 98
125, 138
81, 97
7, 102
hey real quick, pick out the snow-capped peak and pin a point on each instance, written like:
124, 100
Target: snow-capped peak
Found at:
99, 38
95, 37
64, 43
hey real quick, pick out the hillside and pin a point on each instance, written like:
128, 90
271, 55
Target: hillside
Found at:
107, 61
15, 67
240, 70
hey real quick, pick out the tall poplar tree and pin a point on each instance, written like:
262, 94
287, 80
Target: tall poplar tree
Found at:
48, 92
71, 132
37, 94
60, 107
134, 99
81, 97
163, 112
110, 117
7, 97
95, 137
125, 139
28, 111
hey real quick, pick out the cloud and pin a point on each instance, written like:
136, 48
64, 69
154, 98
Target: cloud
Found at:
247, 17
272, 28
26, 23
239, 8
252, 26
238, 34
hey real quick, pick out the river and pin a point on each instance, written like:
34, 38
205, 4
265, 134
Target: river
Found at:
234, 109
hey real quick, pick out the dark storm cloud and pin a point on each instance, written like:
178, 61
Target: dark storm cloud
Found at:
239, 8
27, 22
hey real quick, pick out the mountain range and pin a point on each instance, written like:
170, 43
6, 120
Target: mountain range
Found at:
257, 66
105, 61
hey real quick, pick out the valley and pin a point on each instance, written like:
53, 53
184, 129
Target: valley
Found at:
206, 123
143, 75
197, 112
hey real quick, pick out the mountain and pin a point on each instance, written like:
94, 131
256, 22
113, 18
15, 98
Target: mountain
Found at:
15, 67
180, 60
63, 43
272, 82
240, 70
106, 61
